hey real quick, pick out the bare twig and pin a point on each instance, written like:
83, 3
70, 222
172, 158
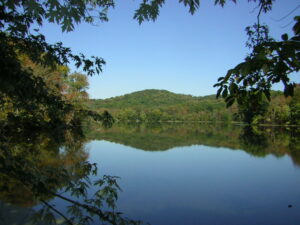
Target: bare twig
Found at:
288, 24
287, 15
258, 21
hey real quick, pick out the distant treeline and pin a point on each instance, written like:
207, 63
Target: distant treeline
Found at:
162, 105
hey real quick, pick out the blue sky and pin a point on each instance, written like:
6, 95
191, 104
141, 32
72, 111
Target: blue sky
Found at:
179, 52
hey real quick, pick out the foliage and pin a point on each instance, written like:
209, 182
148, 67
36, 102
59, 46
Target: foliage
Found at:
19, 30
270, 62
76, 88
295, 106
251, 108
156, 105
149, 9
19, 34
63, 102
37, 92
32, 78
107, 119
160, 105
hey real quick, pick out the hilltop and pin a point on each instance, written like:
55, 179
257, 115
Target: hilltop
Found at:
148, 99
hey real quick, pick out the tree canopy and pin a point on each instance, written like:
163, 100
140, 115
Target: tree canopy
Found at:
270, 62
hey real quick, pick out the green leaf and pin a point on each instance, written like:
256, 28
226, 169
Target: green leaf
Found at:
225, 93
219, 92
220, 78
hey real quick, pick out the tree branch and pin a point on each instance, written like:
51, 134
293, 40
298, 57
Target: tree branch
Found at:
58, 212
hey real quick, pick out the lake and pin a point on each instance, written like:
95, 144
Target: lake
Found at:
199, 173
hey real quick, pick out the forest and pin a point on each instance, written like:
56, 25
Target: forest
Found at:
161, 105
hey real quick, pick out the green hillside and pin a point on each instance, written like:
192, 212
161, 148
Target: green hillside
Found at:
161, 105
147, 99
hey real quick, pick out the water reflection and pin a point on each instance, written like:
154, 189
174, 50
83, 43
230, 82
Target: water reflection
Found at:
37, 167
257, 141
202, 174
24, 155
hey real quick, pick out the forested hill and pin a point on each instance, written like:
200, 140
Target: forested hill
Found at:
148, 99
161, 105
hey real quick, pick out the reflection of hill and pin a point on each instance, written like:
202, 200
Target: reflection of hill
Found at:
166, 136
163, 137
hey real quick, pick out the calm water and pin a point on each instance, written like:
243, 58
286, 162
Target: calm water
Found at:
187, 174
201, 183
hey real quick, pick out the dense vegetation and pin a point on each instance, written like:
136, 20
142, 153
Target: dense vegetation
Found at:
62, 101
161, 105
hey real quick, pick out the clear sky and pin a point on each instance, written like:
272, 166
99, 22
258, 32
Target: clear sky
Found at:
179, 52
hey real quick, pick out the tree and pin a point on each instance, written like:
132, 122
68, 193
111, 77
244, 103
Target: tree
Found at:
252, 109
20, 37
295, 107
62, 102
76, 88
19, 33
270, 62
154, 115
26, 107
107, 119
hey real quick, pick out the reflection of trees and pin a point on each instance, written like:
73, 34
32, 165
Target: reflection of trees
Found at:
254, 141
295, 145
36, 154
258, 141
34, 167
158, 137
